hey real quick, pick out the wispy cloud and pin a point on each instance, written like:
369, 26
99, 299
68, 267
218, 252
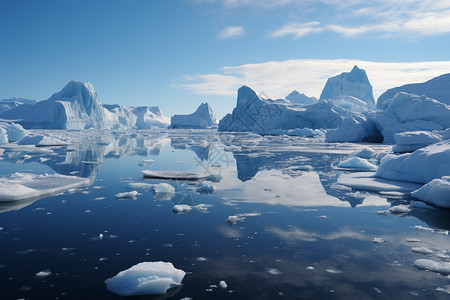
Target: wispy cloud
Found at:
231, 32
298, 30
279, 78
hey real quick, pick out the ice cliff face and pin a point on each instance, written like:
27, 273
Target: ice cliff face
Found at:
355, 84
437, 88
77, 106
297, 98
203, 117
255, 114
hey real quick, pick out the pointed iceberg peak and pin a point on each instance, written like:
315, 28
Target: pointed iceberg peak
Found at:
246, 96
203, 117
355, 84
299, 98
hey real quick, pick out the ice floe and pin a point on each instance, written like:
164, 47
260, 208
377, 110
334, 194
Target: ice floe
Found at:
421, 250
41, 140
127, 195
20, 186
433, 266
368, 182
146, 278
181, 208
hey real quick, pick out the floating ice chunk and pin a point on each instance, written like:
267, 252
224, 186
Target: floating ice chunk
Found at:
311, 268
146, 278
377, 240
173, 175
364, 153
146, 162
445, 289
127, 195
223, 284
273, 271
436, 192
413, 240
410, 141
240, 217
214, 177
400, 209
41, 140
201, 258
333, 271
433, 266
141, 185
3, 136
202, 207
206, 189
164, 188
181, 208
367, 181
20, 186
357, 163
14, 132
44, 273
421, 250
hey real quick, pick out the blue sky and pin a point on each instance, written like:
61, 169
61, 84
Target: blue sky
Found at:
177, 54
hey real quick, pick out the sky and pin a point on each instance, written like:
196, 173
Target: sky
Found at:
177, 54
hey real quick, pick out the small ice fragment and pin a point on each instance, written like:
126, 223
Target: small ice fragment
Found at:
146, 162
323, 217
400, 209
100, 236
44, 273
201, 258
99, 198
127, 195
223, 284
421, 250
377, 290
310, 268
357, 163
240, 217
102, 259
214, 177
181, 208
383, 212
273, 271
364, 153
164, 188
445, 289
413, 240
377, 240
202, 207
146, 278
333, 271
141, 185
206, 189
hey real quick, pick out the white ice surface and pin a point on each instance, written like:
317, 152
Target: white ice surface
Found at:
146, 278
203, 117
357, 163
173, 175
181, 208
368, 182
41, 140
436, 192
127, 195
433, 266
20, 186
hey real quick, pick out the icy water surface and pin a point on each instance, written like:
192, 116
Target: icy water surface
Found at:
277, 227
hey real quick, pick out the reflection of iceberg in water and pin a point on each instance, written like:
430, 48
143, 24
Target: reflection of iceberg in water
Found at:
275, 188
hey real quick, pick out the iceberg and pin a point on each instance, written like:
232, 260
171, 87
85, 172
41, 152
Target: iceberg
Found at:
21, 186
203, 117
146, 278
354, 84
436, 192
14, 132
437, 88
181, 208
296, 98
7, 104
256, 114
420, 166
410, 141
149, 117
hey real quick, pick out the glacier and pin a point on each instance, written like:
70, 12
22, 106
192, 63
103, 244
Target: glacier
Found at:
76, 107
203, 117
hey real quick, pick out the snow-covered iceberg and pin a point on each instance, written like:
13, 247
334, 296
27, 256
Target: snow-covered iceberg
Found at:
77, 106
146, 278
436, 192
437, 88
354, 83
410, 141
203, 117
255, 114
21, 186
299, 98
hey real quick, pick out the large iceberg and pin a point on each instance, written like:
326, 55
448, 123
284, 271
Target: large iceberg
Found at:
354, 83
255, 114
297, 98
437, 88
77, 106
203, 117
7, 104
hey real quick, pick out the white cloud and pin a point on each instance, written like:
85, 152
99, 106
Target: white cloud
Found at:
278, 78
231, 32
297, 29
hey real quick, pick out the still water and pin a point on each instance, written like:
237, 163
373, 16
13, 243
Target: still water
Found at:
295, 233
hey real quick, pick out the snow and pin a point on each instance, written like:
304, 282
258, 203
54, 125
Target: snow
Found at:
436, 192
357, 163
41, 140
354, 83
263, 116
410, 141
173, 175
437, 88
146, 278
20, 186
127, 195
296, 98
433, 266
364, 153
203, 117
181, 208
421, 166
